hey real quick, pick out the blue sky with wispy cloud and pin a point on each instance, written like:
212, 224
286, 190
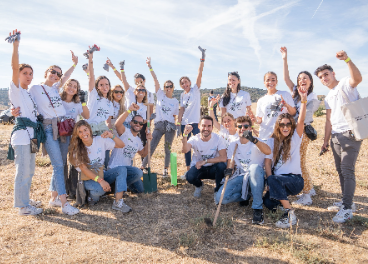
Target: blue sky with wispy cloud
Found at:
243, 36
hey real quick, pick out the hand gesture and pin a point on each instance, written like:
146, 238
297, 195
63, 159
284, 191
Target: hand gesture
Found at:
105, 186
82, 97
74, 58
213, 101
283, 51
199, 164
85, 68
148, 61
303, 92
203, 52
108, 62
122, 64
248, 135
341, 55
149, 136
188, 129
15, 111
17, 38
107, 134
134, 107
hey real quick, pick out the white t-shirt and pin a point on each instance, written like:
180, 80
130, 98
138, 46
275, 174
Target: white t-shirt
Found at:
100, 108
238, 103
192, 103
20, 97
310, 97
245, 155
124, 156
73, 110
44, 106
116, 109
166, 107
129, 99
334, 100
224, 133
96, 152
206, 150
150, 98
292, 165
268, 107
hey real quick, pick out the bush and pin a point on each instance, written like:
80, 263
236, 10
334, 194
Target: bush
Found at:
320, 111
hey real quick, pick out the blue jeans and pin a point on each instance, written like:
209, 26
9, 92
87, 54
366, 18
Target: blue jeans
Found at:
281, 186
119, 176
64, 149
24, 170
214, 172
195, 131
53, 148
233, 190
134, 181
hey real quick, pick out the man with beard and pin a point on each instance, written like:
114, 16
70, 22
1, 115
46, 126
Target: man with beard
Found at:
209, 157
133, 144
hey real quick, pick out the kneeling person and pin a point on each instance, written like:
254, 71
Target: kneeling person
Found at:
248, 172
209, 156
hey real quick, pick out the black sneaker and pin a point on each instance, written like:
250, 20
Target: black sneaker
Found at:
257, 217
244, 203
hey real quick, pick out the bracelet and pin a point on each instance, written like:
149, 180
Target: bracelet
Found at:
304, 102
113, 136
202, 60
185, 135
151, 69
121, 70
96, 179
114, 69
84, 104
129, 111
74, 65
211, 108
100, 180
347, 60
87, 73
178, 123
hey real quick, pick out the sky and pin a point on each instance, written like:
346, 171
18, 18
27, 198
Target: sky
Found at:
243, 36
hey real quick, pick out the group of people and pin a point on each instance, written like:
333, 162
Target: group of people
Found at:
113, 125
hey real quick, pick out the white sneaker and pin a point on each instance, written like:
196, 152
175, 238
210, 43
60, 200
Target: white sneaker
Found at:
343, 215
55, 203
337, 206
288, 218
30, 210
305, 199
35, 203
69, 210
165, 173
121, 206
197, 191
312, 192
184, 177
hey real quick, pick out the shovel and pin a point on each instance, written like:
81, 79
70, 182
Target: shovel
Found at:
149, 179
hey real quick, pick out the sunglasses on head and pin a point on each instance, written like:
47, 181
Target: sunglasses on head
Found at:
169, 86
115, 91
141, 90
137, 122
56, 72
282, 125
245, 126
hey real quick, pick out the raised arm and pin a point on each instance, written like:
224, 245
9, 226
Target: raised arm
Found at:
85, 109
186, 146
118, 142
91, 73
123, 76
15, 60
119, 124
201, 65
157, 85
108, 62
69, 72
211, 112
287, 79
356, 76
303, 109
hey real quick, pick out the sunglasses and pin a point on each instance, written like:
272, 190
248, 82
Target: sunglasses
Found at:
169, 86
118, 92
56, 72
137, 122
141, 90
282, 125
245, 126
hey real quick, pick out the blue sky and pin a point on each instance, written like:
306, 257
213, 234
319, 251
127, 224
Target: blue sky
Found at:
243, 36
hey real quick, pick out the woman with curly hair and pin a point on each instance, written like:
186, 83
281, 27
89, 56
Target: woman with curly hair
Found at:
283, 172
304, 80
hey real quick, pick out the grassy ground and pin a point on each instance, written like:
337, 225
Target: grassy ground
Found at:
168, 226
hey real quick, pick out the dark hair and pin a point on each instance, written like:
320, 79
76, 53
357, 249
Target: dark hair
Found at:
322, 68
135, 117
226, 95
51, 67
278, 141
138, 75
75, 98
108, 97
184, 77
211, 92
310, 88
206, 117
22, 66
243, 119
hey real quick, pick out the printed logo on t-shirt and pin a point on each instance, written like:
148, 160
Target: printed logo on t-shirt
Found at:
275, 108
96, 163
129, 151
102, 112
56, 101
235, 106
204, 157
165, 109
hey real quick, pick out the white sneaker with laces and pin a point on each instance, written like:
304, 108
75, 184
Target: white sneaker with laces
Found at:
30, 210
121, 206
312, 192
69, 210
35, 203
197, 191
343, 215
55, 203
184, 177
337, 206
288, 218
305, 199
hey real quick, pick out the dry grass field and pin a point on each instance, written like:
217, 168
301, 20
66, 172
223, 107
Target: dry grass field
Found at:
168, 226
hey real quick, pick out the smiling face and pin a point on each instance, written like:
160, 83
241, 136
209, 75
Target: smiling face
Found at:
327, 77
169, 88
140, 92
206, 127
104, 87
185, 83
228, 122
84, 133
136, 124
233, 83
243, 127
117, 93
71, 88
140, 81
270, 82
304, 81
285, 127
53, 74
25, 77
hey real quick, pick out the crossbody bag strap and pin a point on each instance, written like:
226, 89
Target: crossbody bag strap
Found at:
277, 158
50, 101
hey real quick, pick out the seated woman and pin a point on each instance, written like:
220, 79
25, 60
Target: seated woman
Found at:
87, 154
282, 166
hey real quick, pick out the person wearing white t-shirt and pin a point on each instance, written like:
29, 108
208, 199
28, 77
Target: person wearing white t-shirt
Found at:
209, 155
26, 112
304, 79
190, 105
248, 174
133, 144
345, 147
270, 106
50, 106
167, 108
87, 154
282, 166
234, 100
